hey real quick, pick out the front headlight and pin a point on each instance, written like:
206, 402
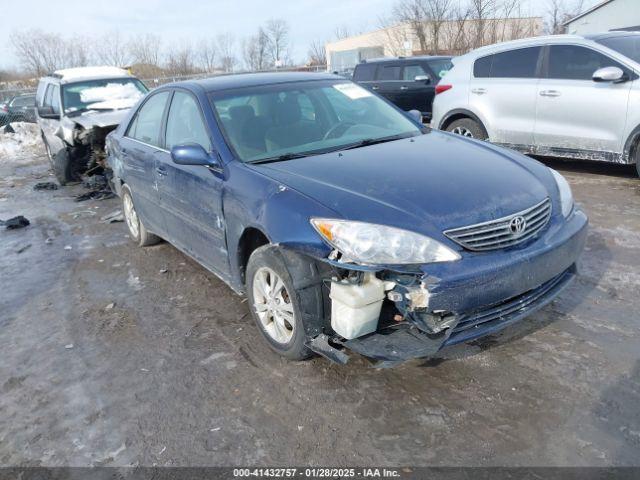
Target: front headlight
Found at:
566, 197
372, 244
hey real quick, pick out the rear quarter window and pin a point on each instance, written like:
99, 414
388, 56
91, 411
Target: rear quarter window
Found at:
520, 63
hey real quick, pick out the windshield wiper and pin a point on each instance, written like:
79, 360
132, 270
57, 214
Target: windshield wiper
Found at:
281, 158
374, 141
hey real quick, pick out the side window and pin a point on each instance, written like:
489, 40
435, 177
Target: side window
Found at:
55, 99
147, 123
410, 72
389, 72
482, 67
185, 124
307, 109
364, 72
48, 96
519, 63
572, 62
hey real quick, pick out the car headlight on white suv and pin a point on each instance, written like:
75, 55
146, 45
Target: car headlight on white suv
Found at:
372, 244
566, 197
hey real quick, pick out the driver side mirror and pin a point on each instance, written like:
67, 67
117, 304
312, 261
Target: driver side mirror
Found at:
47, 112
609, 74
193, 154
422, 79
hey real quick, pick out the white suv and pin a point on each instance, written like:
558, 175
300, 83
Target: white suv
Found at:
562, 96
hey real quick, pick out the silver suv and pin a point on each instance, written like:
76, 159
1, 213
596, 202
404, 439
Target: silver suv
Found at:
75, 109
562, 96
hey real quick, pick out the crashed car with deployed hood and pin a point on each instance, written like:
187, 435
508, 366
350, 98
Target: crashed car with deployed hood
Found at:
76, 109
346, 223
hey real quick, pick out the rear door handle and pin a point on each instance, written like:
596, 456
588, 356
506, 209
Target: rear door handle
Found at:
375, 87
479, 91
550, 93
404, 87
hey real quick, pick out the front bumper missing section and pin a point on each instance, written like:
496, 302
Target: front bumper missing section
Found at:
402, 342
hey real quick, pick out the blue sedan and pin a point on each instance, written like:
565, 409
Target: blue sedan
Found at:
347, 224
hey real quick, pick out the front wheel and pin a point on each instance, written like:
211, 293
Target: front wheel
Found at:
467, 127
285, 299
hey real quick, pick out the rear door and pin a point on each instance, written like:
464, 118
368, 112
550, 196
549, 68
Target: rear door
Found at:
140, 147
191, 195
575, 113
503, 91
365, 74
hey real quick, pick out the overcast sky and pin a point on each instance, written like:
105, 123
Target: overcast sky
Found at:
194, 19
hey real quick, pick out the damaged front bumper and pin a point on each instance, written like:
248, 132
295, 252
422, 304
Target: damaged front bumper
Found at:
450, 303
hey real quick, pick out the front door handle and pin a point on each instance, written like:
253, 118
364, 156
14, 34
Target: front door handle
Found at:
161, 171
549, 93
375, 87
479, 91
404, 87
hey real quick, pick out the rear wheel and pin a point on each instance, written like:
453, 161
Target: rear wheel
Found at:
467, 127
136, 228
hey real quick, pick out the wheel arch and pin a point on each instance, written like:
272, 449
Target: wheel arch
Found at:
630, 152
458, 114
251, 239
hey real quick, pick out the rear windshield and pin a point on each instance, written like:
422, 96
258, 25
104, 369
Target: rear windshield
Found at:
627, 46
440, 66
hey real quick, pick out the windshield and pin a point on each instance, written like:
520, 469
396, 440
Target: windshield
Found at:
627, 46
305, 118
107, 94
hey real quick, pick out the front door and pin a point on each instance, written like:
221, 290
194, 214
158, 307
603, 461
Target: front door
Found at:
416, 89
574, 113
388, 81
191, 196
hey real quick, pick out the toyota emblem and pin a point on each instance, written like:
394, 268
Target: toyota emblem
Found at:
517, 225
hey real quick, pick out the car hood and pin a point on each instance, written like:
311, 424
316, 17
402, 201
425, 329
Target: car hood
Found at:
428, 183
107, 118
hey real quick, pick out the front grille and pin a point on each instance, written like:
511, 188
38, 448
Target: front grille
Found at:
505, 231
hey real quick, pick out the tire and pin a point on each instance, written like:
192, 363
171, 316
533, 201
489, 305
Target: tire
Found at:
294, 311
137, 230
61, 164
469, 128
637, 158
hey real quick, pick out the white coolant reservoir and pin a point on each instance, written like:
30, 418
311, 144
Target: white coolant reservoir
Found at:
355, 309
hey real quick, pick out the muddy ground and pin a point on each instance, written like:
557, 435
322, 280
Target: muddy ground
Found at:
115, 355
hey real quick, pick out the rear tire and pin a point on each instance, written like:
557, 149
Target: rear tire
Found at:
61, 165
137, 230
467, 127
284, 292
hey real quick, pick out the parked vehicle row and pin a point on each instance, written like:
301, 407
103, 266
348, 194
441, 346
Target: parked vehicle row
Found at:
340, 216
562, 96
20, 108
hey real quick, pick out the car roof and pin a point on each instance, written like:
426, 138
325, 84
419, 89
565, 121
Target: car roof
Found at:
88, 73
526, 42
612, 34
241, 80
403, 59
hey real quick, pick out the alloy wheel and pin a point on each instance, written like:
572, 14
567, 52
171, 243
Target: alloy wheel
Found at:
272, 304
465, 132
130, 216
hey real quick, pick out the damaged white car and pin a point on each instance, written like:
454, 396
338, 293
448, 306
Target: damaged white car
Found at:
76, 109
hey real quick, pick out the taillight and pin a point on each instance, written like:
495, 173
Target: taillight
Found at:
443, 88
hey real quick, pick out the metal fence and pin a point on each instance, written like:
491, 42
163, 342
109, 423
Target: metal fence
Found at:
18, 104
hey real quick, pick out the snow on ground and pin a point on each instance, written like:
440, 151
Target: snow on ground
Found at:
21, 147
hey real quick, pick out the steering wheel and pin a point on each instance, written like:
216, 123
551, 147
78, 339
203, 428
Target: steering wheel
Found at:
338, 130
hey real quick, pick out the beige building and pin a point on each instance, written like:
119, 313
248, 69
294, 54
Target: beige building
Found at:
436, 38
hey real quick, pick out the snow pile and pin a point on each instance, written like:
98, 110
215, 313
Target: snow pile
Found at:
23, 146
111, 91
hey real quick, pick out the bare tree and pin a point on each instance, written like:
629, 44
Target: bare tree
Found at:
277, 31
181, 59
559, 11
111, 49
317, 53
207, 54
145, 49
341, 32
226, 47
254, 51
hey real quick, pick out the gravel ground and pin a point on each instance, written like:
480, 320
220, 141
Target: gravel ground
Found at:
117, 355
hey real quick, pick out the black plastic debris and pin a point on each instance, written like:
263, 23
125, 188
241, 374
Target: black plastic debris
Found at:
45, 186
9, 129
15, 222
94, 194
